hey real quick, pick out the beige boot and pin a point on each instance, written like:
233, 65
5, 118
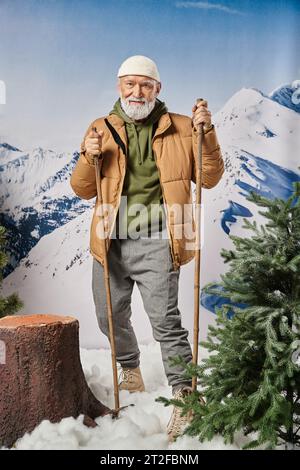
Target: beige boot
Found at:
131, 380
178, 423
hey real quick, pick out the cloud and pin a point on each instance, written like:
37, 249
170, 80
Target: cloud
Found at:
208, 6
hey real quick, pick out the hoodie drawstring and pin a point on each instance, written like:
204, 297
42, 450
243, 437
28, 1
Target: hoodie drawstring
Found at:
137, 143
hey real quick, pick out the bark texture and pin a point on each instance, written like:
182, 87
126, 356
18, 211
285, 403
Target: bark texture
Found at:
41, 376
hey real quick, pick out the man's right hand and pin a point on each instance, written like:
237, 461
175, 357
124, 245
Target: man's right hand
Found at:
93, 142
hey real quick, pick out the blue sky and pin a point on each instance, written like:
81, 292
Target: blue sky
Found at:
59, 59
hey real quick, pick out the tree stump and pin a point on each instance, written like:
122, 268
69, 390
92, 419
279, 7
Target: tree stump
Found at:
41, 376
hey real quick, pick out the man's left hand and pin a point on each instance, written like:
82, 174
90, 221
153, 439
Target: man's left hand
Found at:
201, 114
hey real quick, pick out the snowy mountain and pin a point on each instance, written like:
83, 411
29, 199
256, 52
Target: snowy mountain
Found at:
260, 140
35, 196
288, 95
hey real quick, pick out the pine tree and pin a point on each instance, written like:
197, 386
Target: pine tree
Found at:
8, 305
251, 379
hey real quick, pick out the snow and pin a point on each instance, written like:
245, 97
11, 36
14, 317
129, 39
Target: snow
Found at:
39, 173
142, 426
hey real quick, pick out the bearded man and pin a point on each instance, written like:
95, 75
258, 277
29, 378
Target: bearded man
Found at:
148, 158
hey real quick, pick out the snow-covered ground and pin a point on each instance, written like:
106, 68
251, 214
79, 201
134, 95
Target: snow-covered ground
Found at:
142, 426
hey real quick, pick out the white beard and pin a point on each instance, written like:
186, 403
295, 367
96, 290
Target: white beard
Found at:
137, 111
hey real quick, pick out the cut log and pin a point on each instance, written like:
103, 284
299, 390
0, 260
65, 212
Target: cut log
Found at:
41, 376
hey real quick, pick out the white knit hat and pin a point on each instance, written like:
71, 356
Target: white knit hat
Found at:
139, 65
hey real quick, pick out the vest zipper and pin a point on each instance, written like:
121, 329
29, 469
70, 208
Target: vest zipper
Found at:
171, 241
174, 258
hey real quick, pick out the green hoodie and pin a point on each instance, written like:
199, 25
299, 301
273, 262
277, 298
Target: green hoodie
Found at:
141, 183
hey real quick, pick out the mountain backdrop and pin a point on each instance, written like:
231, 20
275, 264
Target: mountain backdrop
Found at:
48, 226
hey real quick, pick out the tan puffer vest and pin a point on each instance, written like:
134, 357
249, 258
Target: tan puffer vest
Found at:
175, 147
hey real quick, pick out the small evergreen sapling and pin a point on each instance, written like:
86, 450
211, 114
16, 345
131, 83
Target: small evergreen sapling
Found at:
251, 379
12, 303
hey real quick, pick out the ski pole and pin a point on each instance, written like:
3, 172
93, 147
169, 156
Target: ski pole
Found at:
197, 250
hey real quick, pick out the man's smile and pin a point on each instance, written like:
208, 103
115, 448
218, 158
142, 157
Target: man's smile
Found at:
136, 102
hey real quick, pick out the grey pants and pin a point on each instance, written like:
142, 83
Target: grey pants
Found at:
147, 262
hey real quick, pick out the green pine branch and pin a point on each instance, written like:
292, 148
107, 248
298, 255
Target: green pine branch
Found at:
251, 379
11, 304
